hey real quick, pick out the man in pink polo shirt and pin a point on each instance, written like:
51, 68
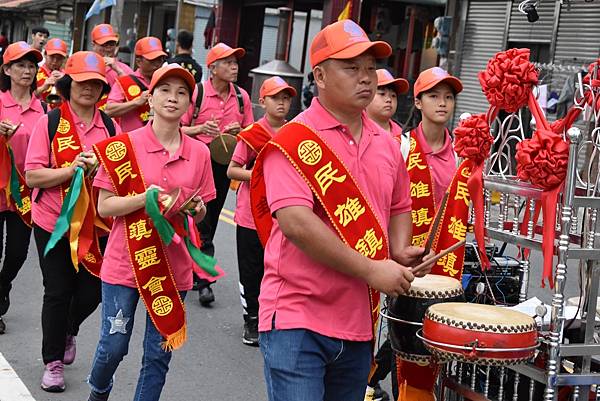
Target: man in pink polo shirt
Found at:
218, 106
128, 99
315, 319
105, 42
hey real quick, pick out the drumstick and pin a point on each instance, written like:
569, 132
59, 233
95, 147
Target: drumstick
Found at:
223, 143
437, 257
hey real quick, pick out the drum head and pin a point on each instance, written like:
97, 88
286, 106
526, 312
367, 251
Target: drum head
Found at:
480, 316
434, 286
222, 147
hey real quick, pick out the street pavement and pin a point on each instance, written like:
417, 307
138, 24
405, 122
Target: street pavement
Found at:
212, 365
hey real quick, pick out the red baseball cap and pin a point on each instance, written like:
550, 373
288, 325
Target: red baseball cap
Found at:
385, 78
274, 85
56, 46
149, 48
18, 50
104, 33
221, 51
433, 76
85, 66
344, 40
172, 70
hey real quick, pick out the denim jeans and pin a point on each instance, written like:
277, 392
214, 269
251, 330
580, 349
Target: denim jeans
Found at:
120, 302
301, 365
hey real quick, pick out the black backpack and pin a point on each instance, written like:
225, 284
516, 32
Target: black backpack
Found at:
54, 119
200, 97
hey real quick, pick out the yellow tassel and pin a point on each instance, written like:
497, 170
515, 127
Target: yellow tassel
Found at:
176, 340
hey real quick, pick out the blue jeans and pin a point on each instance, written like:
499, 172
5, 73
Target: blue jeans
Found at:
301, 365
120, 302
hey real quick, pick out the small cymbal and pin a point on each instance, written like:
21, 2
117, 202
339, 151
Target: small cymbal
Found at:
170, 201
222, 148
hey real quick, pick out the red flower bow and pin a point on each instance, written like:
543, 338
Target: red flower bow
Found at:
472, 139
542, 160
508, 79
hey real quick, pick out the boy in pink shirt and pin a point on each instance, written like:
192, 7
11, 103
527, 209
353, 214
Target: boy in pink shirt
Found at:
19, 112
138, 262
221, 108
128, 99
319, 291
384, 104
275, 98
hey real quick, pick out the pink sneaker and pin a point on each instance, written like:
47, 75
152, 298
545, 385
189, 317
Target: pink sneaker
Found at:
70, 350
53, 380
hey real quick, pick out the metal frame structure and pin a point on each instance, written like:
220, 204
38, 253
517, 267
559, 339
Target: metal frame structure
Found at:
561, 362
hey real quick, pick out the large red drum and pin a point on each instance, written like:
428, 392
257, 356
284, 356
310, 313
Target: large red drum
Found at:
486, 334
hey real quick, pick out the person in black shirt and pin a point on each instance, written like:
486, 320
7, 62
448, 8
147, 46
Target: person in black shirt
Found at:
183, 57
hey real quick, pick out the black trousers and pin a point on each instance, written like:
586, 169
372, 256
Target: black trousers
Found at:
251, 268
69, 296
208, 226
386, 364
18, 236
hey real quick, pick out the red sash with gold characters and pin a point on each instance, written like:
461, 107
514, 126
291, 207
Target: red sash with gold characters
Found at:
101, 104
421, 190
66, 146
24, 211
349, 211
151, 268
255, 136
454, 224
11, 179
132, 91
41, 77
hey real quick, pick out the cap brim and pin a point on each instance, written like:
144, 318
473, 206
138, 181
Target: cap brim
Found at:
154, 55
51, 52
87, 76
104, 39
237, 52
38, 56
378, 48
275, 91
179, 73
399, 84
454, 83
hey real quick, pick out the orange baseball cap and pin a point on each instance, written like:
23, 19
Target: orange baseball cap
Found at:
343, 40
149, 48
104, 33
172, 70
431, 77
85, 66
385, 78
274, 85
56, 46
18, 50
221, 51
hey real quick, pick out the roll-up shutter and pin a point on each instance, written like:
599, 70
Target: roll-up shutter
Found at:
521, 30
483, 37
577, 41
199, 52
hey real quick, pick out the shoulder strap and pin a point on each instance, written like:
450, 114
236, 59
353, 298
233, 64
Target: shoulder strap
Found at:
198, 104
44, 106
108, 123
240, 98
138, 82
405, 144
53, 120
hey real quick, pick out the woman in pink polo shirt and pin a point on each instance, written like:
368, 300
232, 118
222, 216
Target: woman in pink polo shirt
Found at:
18, 108
384, 104
275, 98
144, 266
70, 295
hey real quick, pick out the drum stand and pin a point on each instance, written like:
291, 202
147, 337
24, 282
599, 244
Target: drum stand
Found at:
565, 367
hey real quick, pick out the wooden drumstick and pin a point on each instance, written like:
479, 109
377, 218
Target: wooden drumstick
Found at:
437, 257
223, 143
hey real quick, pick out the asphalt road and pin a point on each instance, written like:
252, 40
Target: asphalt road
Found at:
212, 365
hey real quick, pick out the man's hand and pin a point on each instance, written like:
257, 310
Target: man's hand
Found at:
232, 128
389, 277
210, 127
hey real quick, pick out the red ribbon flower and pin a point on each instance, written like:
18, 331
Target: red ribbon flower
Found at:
508, 79
472, 139
542, 160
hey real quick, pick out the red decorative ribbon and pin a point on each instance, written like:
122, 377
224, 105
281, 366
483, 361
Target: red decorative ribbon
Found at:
472, 140
508, 79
